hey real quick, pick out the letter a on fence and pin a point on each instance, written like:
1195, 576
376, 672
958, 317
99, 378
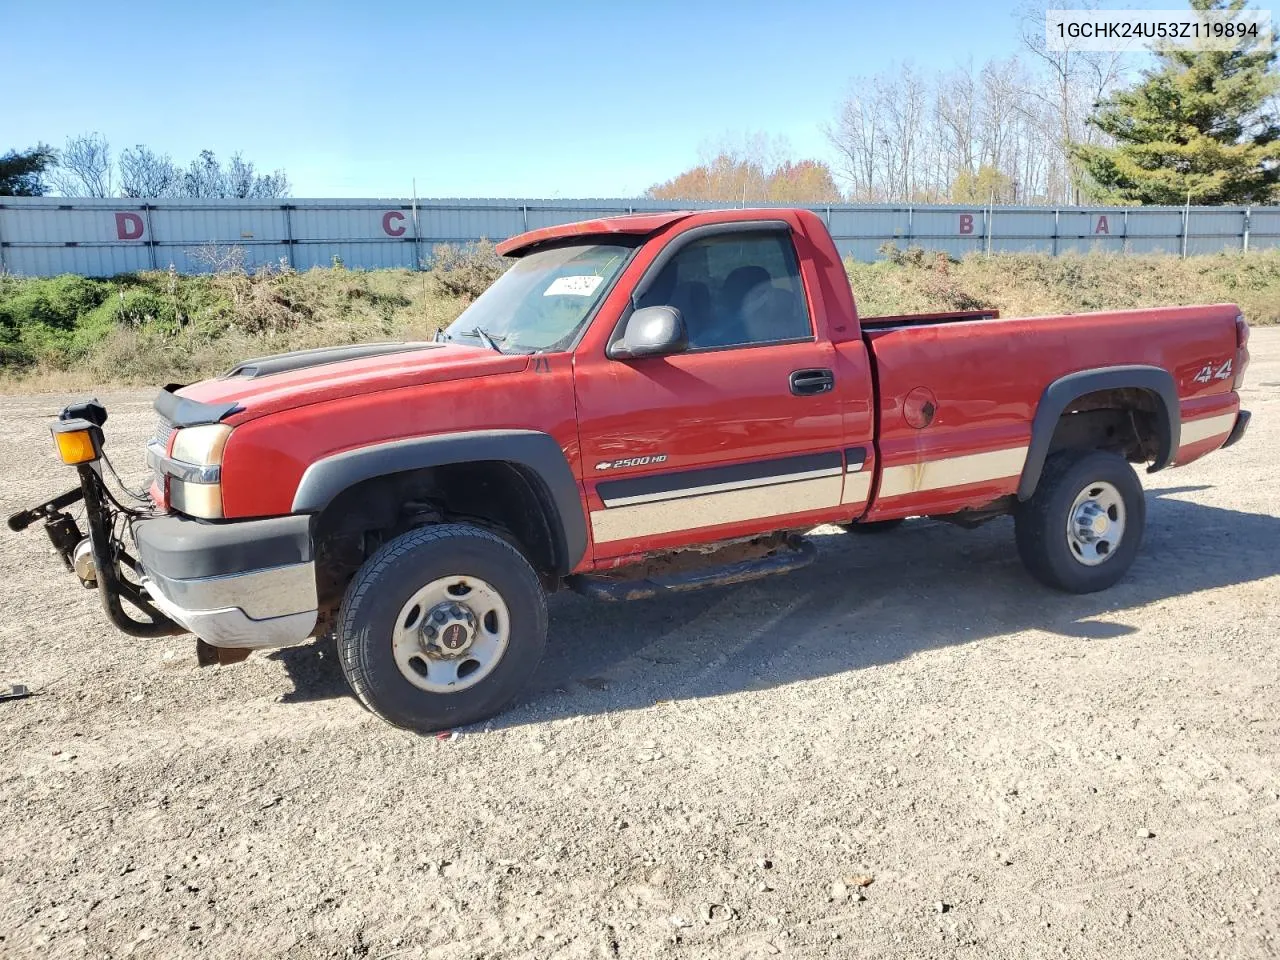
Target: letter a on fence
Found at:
1102, 226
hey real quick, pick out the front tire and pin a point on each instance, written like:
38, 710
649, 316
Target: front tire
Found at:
441, 627
1080, 531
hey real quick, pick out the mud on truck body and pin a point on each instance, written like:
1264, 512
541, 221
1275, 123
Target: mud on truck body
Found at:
639, 405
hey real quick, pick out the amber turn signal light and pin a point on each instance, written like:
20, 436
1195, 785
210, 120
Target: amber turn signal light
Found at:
77, 441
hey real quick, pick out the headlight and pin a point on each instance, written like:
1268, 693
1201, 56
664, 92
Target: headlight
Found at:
197, 489
201, 445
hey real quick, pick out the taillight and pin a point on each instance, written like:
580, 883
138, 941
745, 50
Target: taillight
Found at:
1242, 351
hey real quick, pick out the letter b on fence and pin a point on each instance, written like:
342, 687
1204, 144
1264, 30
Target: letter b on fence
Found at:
129, 226
966, 223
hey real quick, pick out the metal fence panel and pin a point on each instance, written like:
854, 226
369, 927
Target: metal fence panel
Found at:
1022, 244
1099, 244
454, 223
880, 223
355, 255
101, 237
1031, 225
1216, 223
1204, 245
90, 261
859, 248
219, 225
1264, 226
1154, 223
1153, 245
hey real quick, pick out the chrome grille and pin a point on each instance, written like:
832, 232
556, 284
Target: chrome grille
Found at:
164, 430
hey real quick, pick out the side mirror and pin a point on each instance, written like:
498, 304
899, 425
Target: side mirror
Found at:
651, 331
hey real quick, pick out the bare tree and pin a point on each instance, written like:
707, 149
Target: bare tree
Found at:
957, 114
905, 107
145, 173
207, 177
242, 180
856, 136
84, 167
1074, 81
997, 132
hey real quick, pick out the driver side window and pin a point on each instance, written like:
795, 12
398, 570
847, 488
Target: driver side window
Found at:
737, 289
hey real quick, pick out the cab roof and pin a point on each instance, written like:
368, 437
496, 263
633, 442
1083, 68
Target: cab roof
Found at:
636, 225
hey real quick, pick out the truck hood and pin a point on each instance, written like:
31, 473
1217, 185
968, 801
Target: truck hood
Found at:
267, 385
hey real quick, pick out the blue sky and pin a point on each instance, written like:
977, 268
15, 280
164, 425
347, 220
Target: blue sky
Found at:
533, 99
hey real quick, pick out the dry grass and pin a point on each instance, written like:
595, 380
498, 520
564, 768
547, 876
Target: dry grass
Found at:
1038, 285
157, 328
246, 316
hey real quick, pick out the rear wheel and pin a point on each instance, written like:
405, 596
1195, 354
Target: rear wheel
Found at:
1081, 529
442, 627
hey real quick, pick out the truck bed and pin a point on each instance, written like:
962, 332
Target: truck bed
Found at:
956, 402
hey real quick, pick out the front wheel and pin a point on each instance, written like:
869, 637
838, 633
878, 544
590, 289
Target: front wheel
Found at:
1081, 529
441, 627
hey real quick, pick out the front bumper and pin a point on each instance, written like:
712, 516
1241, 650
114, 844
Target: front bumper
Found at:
248, 583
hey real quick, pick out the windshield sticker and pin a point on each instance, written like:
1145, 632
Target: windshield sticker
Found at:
583, 286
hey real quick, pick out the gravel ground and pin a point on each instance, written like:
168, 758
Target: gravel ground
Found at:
1010, 771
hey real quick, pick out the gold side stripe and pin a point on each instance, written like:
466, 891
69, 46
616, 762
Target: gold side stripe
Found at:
857, 487
680, 494
1193, 431
710, 509
908, 478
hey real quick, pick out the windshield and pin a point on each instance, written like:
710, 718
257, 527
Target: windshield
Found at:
543, 300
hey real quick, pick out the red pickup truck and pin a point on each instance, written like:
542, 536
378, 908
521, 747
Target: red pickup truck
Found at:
639, 405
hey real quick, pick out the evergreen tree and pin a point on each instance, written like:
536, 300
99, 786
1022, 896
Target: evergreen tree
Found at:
1202, 122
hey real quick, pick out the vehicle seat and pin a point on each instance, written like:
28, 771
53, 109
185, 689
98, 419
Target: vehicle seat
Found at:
730, 322
770, 313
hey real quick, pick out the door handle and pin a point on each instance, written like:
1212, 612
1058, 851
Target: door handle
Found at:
806, 383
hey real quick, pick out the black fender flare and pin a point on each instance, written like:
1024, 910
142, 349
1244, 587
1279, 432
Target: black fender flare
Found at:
538, 453
1060, 394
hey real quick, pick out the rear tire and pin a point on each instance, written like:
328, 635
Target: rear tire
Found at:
1081, 530
441, 627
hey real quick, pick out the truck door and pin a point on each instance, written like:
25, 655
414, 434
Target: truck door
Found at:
737, 435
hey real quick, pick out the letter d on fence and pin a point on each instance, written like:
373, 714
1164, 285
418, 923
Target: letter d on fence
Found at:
966, 223
129, 226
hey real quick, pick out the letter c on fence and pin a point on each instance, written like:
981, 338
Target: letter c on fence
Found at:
966, 223
387, 228
1102, 227
129, 226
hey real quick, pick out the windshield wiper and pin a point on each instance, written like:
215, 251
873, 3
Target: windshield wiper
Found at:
487, 339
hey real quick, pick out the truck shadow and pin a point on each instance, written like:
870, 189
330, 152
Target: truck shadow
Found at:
867, 601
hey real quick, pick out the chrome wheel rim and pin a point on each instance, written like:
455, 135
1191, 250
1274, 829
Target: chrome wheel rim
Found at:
1095, 523
451, 634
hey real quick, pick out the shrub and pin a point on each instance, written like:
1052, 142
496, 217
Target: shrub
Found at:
41, 316
465, 271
